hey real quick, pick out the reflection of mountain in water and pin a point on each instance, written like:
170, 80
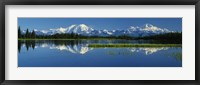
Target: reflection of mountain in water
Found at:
81, 49
148, 51
77, 47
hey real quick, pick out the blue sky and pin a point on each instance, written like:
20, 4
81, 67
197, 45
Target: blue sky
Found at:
173, 24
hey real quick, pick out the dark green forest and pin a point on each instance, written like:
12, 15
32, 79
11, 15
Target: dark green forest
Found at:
175, 37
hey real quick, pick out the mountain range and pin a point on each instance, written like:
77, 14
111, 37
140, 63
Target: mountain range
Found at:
83, 29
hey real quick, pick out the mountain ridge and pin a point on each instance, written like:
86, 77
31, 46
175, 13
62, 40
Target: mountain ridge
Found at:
83, 29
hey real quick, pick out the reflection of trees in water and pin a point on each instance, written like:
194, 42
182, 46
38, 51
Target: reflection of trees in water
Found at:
28, 44
32, 43
19, 46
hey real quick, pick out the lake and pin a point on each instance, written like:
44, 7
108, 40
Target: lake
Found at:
76, 53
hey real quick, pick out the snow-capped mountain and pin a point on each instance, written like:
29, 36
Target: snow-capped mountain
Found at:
83, 29
146, 30
78, 29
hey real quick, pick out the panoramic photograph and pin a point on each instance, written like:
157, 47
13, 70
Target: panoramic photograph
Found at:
99, 42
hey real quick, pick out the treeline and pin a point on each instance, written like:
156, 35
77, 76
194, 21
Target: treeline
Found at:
175, 37
28, 34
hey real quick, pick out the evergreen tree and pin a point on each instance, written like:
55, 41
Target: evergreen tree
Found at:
72, 35
19, 32
27, 34
33, 34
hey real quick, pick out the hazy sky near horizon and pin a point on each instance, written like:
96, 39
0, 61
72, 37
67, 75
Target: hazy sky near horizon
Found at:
173, 24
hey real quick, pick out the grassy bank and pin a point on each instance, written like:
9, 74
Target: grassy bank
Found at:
134, 45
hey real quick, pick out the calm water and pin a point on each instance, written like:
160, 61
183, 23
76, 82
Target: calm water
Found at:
73, 53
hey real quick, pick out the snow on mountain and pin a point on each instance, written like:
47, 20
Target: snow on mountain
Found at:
59, 30
23, 31
151, 28
78, 29
107, 32
146, 30
83, 29
70, 28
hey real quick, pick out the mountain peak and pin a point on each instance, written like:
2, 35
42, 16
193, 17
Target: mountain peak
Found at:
83, 25
148, 25
83, 29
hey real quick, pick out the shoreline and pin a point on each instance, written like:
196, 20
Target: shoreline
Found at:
134, 45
